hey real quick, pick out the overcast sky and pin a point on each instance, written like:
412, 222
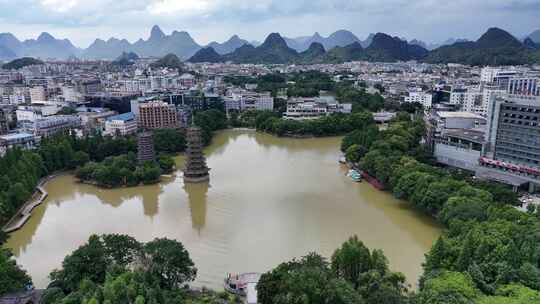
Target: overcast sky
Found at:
430, 20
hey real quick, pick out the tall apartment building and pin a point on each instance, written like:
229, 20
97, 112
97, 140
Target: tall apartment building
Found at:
476, 100
38, 94
418, 96
157, 115
514, 133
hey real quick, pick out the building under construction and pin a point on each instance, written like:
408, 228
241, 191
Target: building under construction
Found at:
196, 170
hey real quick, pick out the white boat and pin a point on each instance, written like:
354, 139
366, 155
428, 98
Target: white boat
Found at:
243, 285
342, 160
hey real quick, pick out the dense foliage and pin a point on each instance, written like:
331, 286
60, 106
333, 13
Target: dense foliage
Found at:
210, 121
354, 275
12, 278
119, 269
335, 124
490, 250
21, 63
124, 170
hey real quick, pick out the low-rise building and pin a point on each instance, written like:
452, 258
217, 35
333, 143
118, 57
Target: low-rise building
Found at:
314, 108
246, 100
48, 126
417, 95
121, 125
23, 141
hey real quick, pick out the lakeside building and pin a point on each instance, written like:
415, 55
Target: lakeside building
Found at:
25, 141
121, 125
48, 126
157, 115
95, 118
314, 107
242, 100
513, 138
507, 148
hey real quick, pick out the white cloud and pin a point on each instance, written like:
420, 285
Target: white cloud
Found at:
60, 6
183, 7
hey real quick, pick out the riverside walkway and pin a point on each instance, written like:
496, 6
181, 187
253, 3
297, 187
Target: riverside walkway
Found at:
24, 214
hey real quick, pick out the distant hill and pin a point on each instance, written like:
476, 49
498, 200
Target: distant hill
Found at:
274, 50
228, 46
6, 54
207, 54
386, 48
339, 38
535, 36
314, 53
158, 44
495, 47
45, 46
21, 63
529, 43
126, 59
169, 61
109, 49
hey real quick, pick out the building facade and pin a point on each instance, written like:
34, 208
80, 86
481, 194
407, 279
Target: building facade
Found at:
157, 115
121, 125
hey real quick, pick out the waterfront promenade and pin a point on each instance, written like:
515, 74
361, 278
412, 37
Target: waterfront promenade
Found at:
25, 212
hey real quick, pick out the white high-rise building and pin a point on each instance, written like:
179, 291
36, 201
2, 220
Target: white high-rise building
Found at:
418, 96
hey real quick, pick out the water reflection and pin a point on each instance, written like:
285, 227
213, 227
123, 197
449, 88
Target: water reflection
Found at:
270, 200
198, 199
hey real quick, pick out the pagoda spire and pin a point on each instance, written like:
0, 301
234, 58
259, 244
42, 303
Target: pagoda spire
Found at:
196, 170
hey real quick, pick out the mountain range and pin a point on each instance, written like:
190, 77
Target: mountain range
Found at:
495, 47
276, 50
337, 47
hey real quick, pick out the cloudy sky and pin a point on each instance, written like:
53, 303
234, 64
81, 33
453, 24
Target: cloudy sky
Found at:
430, 20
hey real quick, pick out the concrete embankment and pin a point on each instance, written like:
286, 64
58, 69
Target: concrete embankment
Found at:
24, 214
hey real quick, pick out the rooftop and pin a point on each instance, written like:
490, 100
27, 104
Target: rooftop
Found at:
470, 135
123, 117
15, 136
444, 114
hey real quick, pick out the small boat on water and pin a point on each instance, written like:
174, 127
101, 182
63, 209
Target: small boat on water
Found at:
355, 175
243, 285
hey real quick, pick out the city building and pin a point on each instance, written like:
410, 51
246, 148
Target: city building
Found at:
48, 126
460, 148
157, 115
246, 100
121, 125
34, 112
417, 95
314, 108
23, 141
37, 94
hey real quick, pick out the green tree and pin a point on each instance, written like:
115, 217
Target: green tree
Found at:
169, 261
12, 277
